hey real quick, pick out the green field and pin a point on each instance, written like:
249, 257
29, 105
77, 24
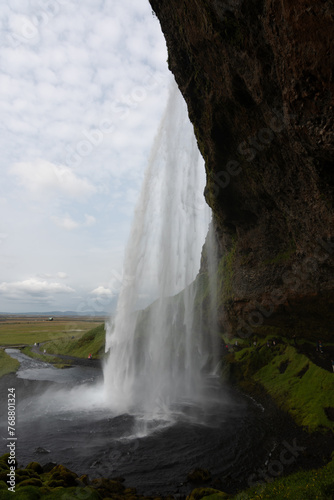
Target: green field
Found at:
17, 331
7, 364
92, 342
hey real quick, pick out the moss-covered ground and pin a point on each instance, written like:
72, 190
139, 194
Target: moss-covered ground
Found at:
296, 384
32, 482
7, 364
316, 484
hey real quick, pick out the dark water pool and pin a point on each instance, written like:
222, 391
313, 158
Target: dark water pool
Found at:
61, 417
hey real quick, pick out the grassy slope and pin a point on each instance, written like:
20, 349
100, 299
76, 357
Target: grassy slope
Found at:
304, 389
7, 364
92, 342
304, 485
295, 383
78, 345
301, 388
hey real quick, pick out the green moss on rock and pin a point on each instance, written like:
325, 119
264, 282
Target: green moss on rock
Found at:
225, 274
3, 485
26, 493
36, 467
199, 476
297, 385
4, 461
199, 493
32, 481
107, 486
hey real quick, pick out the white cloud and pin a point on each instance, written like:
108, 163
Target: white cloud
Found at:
33, 287
102, 291
66, 222
89, 220
61, 275
44, 276
42, 176
61, 83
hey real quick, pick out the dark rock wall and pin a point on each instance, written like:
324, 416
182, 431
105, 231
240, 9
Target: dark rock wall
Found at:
257, 76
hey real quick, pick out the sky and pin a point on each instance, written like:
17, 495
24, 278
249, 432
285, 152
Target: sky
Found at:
83, 87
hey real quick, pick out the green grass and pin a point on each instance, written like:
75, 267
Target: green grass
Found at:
7, 364
92, 342
317, 484
304, 389
28, 331
297, 385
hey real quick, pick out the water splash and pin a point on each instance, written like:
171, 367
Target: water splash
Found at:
157, 355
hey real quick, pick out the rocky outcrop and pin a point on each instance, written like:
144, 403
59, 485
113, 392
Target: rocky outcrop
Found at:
258, 81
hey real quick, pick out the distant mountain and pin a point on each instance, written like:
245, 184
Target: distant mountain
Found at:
97, 314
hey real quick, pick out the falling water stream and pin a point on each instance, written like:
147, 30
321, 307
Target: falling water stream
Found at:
159, 410
157, 356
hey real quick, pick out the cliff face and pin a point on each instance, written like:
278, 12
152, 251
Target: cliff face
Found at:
258, 81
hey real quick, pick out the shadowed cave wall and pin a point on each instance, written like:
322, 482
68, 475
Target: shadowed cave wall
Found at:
258, 81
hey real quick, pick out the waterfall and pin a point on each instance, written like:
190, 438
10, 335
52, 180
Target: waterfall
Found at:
158, 345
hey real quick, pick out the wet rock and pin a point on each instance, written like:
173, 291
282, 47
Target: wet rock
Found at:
41, 450
49, 466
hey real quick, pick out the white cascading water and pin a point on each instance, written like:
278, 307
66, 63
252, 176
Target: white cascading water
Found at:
157, 355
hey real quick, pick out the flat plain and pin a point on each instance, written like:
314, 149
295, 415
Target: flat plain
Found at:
23, 330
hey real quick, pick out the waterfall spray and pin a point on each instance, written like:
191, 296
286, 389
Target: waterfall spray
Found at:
157, 354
